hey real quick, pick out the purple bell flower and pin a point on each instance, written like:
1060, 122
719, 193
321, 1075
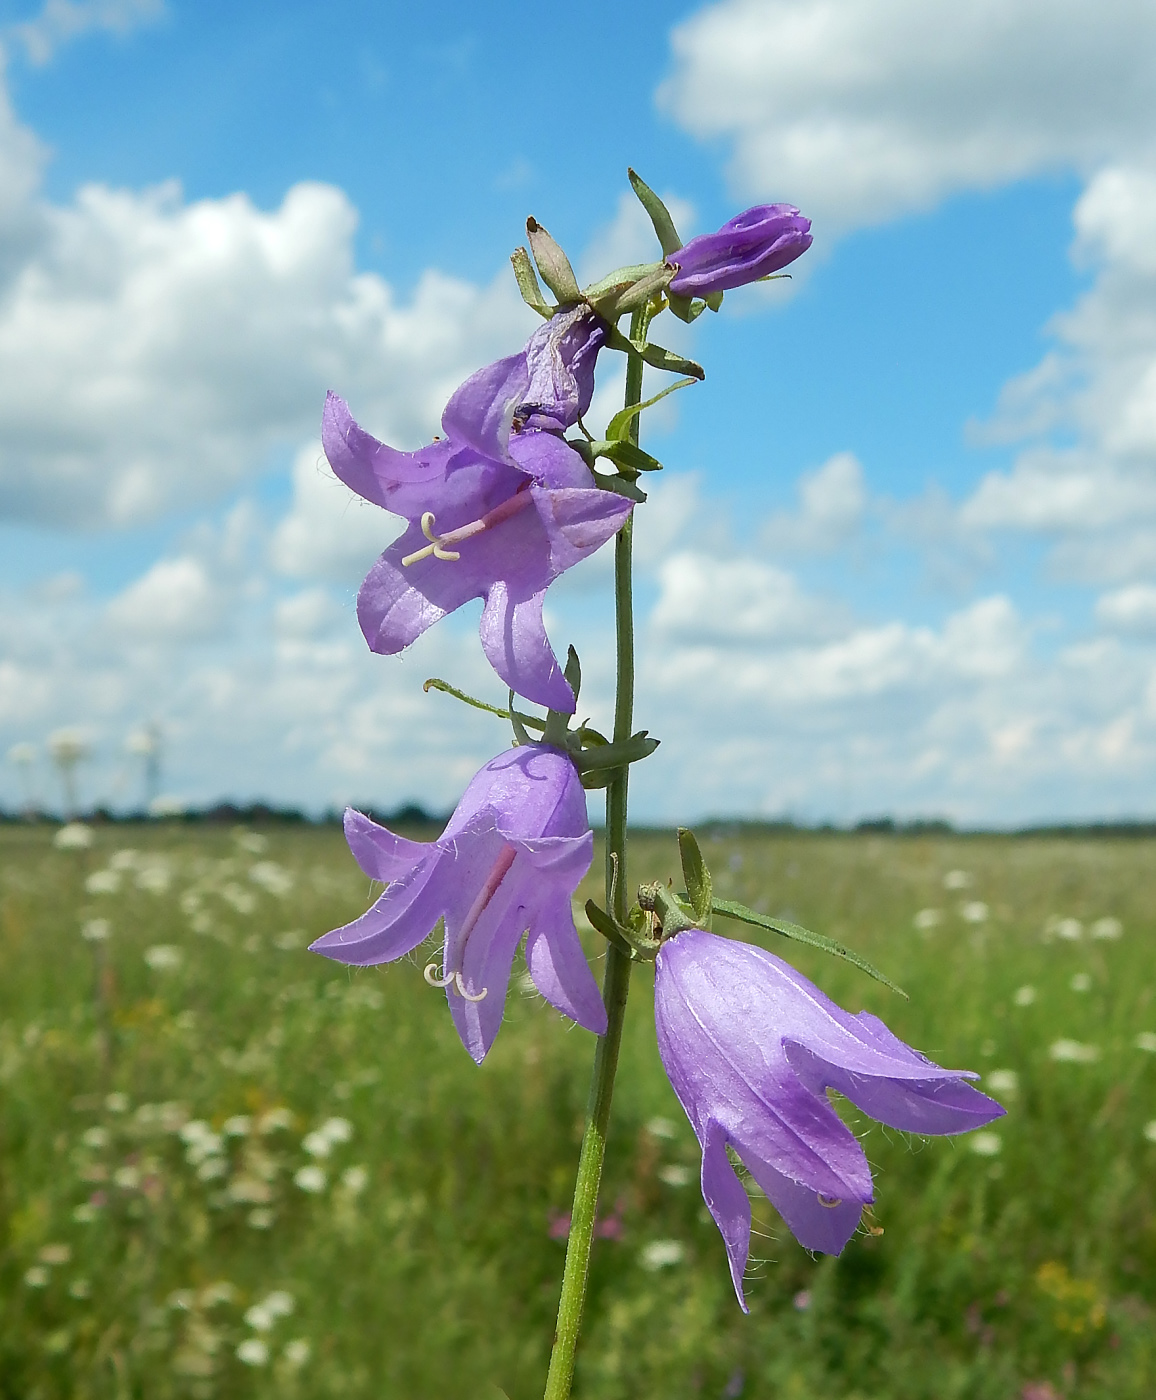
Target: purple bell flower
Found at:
509, 861
749, 246
750, 1047
497, 509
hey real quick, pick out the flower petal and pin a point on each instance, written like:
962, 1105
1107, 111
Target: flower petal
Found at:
577, 522
381, 854
481, 411
558, 965
727, 1201
515, 643
396, 924
823, 1228
402, 482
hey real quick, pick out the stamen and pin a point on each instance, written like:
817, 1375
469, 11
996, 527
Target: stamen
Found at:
461, 989
431, 976
829, 1202
437, 543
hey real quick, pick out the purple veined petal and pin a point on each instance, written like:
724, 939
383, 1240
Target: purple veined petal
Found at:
558, 965
577, 522
382, 855
397, 603
527, 792
549, 461
481, 411
727, 1201
821, 1223
402, 482
400, 920
514, 640
940, 1105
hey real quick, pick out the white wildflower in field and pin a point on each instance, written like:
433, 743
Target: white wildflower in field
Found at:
355, 1180
1072, 1052
1081, 982
73, 837
662, 1128
272, 877
676, 1175
290, 940
163, 957
240, 1125
927, 919
1003, 1081
220, 1292
262, 1316
80, 1288
253, 1352
1071, 930
311, 1179
1107, 928
103, 882
1146, 1040
251, 841
125, 859
250, 1189
661, 1254
200, 1140
274, 1119
337, 1129
86, 1213
957, 880
297, 1352
117, 1103
95, 1137
127, 1177
241, 899
36, 1277
975, 911
1024, 996
1150, 1131
212, 1168
317, 1145
55, 1254
154, 874
985, 1144
96, 930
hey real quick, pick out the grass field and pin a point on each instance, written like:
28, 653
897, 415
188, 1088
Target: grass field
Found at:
229, 1168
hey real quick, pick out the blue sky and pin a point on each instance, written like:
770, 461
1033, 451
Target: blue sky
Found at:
910, 517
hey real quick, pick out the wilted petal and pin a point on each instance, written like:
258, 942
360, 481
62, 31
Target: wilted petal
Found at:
481, 411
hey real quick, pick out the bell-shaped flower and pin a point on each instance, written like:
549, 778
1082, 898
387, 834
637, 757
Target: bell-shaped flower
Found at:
508, 862
751, 1047
497, 508
750, 246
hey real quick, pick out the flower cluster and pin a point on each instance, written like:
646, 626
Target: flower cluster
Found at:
497, 508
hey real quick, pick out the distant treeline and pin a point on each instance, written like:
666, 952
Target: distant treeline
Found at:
412, 814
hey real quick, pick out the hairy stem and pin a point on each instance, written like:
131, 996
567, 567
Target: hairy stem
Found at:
616, 981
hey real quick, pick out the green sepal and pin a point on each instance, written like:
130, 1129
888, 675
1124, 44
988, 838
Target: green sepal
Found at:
697, 876
664, 227
611, 307
598, 763
629, 939
674, 914
620, 279
527, 280
553, 264
573, 672
733, 910
619, 425
623, 453
715, 299
687, 309
435, 683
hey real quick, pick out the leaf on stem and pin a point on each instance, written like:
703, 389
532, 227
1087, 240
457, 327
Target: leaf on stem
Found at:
619, 425
731, 909
697, 877
660, 217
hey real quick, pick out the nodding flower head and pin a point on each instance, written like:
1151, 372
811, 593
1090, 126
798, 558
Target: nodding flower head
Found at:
751, 1047
497, 508
748, 247
508, 862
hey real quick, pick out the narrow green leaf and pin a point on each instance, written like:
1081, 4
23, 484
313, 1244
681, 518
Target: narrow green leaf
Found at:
573, 671
619, 425
660, 217
602, 923
621, 486
732, 910
623, 453
661, 358
697, 877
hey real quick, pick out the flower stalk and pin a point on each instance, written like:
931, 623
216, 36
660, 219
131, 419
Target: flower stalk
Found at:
616, 980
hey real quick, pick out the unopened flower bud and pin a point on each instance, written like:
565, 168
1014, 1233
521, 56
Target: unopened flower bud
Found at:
748, 247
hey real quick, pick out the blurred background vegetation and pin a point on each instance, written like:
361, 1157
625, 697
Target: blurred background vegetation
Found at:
229, 1168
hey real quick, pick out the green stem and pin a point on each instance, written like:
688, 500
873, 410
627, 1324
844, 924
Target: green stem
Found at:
616, 981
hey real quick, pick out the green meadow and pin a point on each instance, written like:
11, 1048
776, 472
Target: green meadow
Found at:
230, 1168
